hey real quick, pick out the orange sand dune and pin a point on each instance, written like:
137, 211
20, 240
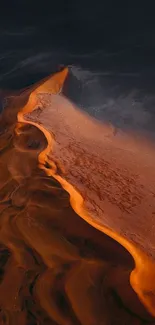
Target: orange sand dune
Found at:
77, 205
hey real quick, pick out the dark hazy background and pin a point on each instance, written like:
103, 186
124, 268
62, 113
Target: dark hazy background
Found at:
108, 45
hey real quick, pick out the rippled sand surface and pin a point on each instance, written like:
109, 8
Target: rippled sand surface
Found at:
77, 206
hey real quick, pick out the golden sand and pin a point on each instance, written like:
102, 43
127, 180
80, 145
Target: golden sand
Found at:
77, 206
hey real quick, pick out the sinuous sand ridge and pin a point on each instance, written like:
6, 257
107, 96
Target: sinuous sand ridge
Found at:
77, 206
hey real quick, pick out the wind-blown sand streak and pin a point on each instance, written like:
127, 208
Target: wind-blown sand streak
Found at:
109, 178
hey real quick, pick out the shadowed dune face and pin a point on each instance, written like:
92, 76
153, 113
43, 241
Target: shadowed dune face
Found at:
77, 203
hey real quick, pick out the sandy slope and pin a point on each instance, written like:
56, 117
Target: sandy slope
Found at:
77, 229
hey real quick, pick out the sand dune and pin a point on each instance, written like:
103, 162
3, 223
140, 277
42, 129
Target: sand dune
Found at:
77, 205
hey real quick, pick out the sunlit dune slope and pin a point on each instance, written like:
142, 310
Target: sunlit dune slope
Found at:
77, 206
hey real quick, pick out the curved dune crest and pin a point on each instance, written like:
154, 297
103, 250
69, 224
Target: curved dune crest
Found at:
50, 146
